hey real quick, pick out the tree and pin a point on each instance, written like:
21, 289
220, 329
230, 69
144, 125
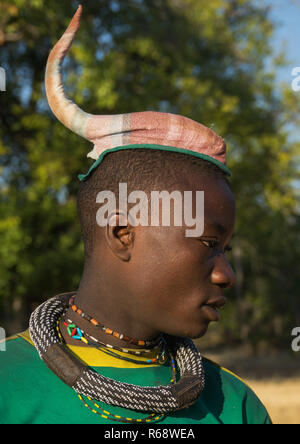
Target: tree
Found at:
205, 60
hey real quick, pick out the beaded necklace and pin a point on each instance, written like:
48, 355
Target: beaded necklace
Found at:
78, 334
85, 381
154, 417
109, 331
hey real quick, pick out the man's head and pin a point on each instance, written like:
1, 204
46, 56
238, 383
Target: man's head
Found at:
159, 276
148, 279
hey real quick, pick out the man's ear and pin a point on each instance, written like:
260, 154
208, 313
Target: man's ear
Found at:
120, 235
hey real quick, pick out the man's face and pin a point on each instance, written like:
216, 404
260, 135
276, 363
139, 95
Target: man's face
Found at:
175, 281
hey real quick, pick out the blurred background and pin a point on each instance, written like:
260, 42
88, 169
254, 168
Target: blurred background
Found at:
225, 63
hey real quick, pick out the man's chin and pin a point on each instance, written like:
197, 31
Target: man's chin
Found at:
198, 333
192, 332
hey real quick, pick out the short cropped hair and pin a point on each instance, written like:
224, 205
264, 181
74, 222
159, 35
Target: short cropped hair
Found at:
141, 169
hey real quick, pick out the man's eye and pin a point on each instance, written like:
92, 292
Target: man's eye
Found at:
210, 243
213, 244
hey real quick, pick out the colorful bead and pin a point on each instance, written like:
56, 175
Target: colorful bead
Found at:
126, 338
70, 328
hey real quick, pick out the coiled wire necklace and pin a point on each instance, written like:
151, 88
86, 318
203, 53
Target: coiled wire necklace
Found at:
45, 334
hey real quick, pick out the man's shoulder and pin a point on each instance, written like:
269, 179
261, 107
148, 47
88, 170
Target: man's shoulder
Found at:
227, 375
24, 336
29, 391
18, 353
235, 393
20, 364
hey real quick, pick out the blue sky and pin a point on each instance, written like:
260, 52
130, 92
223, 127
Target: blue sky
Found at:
286, 14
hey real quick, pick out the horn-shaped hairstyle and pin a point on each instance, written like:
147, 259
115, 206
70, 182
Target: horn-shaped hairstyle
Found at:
149, 129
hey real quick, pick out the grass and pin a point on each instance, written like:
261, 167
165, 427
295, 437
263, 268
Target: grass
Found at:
274, 377
281, 397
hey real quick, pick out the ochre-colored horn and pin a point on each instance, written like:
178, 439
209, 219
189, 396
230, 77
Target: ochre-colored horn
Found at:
150, 129
64, 109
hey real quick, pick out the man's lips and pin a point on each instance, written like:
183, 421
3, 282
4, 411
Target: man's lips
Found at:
210, 308
217, 302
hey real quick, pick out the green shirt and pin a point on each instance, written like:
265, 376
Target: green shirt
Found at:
31, 394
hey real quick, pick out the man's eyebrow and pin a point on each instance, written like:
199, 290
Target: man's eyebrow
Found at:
219, 227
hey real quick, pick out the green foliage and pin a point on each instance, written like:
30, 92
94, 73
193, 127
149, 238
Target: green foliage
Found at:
201, 59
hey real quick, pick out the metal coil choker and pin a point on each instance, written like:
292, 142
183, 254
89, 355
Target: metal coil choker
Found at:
85, 381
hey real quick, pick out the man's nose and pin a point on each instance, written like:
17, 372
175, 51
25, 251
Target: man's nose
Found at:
222, 274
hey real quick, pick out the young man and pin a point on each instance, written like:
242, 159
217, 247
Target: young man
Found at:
119, 349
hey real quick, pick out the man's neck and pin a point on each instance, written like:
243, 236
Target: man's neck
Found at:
103, 307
